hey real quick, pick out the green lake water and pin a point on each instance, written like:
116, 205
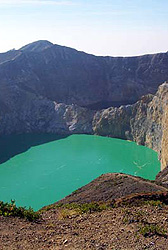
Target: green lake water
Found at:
37, 170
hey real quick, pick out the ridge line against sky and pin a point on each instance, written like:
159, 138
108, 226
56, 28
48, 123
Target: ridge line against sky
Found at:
108, 27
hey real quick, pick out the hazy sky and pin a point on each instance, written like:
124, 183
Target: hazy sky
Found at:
101, 27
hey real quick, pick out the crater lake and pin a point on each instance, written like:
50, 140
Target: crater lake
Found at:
40, 169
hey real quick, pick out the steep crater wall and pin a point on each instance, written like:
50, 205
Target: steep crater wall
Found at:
145, 122
65, 75
44, 88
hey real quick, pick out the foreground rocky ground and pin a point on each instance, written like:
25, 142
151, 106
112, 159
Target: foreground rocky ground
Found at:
117, 228
102, 215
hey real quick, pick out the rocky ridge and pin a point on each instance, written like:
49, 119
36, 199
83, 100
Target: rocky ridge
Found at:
44, 86
30, 102
113, 186
144, 122
65, 75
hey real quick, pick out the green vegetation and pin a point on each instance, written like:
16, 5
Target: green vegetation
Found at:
87, 207
10, 209
73, 209
148, 230
133, 216
74, 192
156, 203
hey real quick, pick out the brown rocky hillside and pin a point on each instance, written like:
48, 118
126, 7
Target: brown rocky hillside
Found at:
127, 213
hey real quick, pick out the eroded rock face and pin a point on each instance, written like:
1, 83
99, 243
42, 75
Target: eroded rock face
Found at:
113, 122
145, 122
164, 143
154, 125
32, 114
43, 86
126, 122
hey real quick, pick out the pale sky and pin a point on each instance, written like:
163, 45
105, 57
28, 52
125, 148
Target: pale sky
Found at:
100, 27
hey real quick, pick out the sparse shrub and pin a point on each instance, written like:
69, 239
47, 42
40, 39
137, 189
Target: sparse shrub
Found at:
157, 203
49, 207
10, 209
149, 230
67, 213
88, 207
134, 216
75, 191
73, 209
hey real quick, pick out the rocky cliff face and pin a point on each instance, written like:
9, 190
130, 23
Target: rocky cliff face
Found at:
43, 86
164, 143
154, 125
145, 122
37, 115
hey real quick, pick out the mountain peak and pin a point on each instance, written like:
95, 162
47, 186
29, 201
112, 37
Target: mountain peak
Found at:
37, 46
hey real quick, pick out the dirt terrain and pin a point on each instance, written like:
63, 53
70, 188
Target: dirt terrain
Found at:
112, 186
104, 214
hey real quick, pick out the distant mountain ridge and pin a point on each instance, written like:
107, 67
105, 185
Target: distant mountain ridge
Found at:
66, 75
47, 88
37, 46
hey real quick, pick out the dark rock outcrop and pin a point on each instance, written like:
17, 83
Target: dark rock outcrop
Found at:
162, 177
68, 76
108, 187
37, 115
44, 86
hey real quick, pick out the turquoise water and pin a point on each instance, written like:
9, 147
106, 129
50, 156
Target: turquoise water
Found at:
36, 171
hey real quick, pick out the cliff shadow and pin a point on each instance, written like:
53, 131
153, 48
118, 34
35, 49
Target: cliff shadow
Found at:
105, 105
16, 144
